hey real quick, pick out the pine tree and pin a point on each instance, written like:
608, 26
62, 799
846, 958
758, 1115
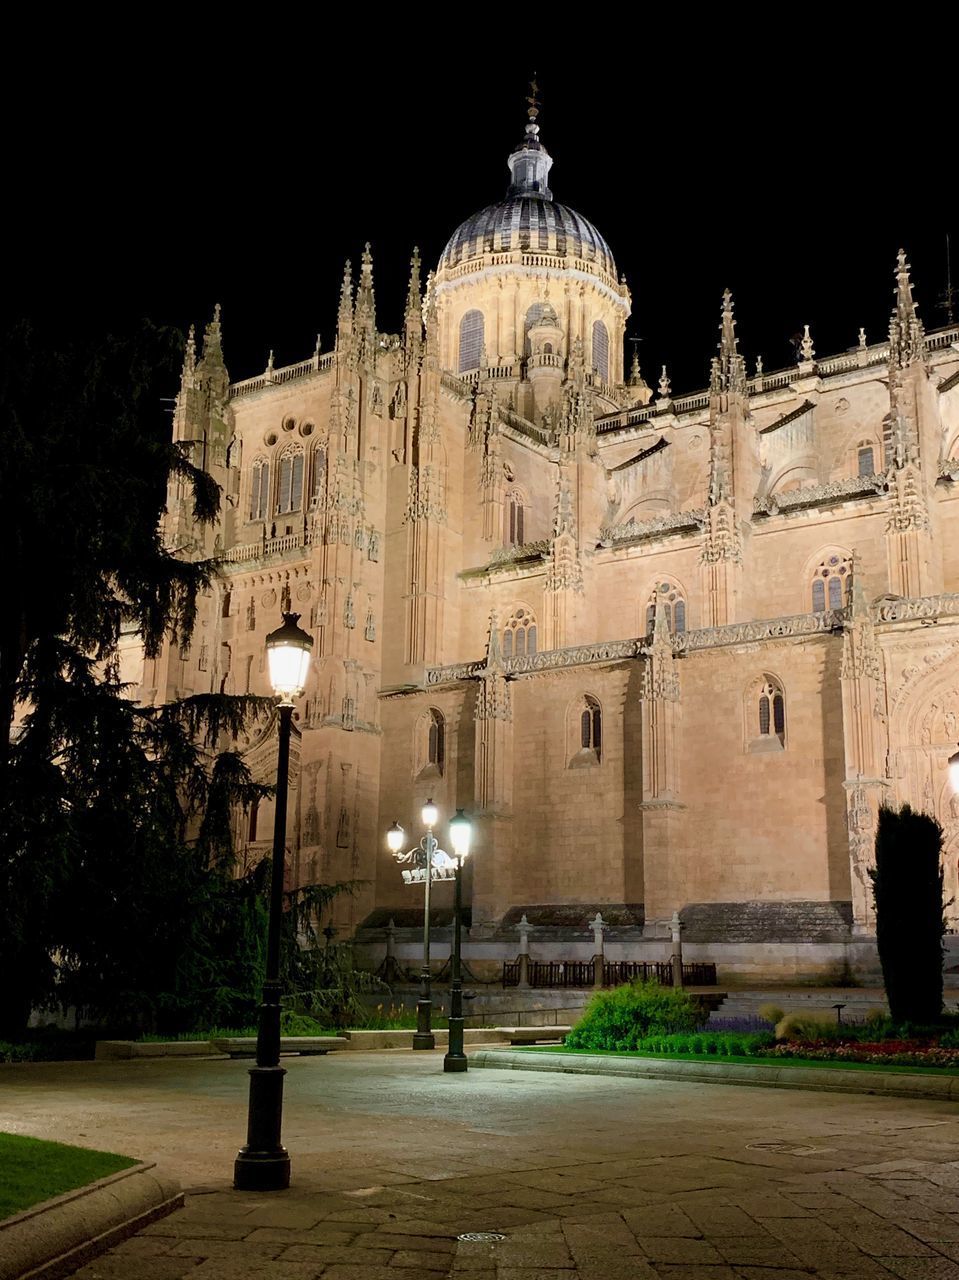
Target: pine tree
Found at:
118, 892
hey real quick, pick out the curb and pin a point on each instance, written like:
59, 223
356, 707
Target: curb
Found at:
815, 1079
52, 1239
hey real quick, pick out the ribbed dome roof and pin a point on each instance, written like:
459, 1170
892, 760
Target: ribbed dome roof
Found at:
533, 224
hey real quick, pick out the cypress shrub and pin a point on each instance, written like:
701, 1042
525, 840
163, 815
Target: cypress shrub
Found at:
907, 890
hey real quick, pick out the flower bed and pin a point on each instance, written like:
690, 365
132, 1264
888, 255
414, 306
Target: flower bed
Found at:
902, 1053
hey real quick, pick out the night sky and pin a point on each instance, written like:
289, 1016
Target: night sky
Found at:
245, 166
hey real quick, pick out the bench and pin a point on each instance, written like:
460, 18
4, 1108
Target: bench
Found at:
534, 1035
245, 1047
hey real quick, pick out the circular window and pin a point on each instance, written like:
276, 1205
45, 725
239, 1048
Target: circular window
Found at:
270, 437
288, 424
307, 429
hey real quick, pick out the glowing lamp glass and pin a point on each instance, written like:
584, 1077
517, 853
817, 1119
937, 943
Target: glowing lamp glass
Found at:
394, 838
430, 814
288, 653
461, 830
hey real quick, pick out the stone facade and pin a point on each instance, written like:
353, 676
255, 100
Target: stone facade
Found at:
670, 652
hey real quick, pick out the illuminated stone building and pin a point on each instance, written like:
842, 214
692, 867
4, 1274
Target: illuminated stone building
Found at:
670, 651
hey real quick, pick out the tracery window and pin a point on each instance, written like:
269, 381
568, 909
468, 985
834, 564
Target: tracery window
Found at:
429, 749
672, 601
584, 732
515, 518
519, 634
260, 489
317, 475
289, 480
471, 341
865, 459
601, 350
765, 712
830, 582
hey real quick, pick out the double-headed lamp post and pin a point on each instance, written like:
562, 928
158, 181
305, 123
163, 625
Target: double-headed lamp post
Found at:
264, 1163
429, 863
460, 832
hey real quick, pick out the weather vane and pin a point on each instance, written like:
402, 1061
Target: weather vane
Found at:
532, 99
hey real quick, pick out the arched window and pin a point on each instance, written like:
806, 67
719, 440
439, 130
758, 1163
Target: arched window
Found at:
585, 732
830, 582
673, 602
227, 598
317, 475
260, 489
765, 714
533, 316
254, 815
289, 480
515, 518
519, 634
429, 747
600, 350
865, 458
471, 341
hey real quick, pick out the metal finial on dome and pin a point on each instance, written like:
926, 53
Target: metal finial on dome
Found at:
530, 163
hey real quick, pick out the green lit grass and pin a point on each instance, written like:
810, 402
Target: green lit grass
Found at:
752, 1060
32, 1170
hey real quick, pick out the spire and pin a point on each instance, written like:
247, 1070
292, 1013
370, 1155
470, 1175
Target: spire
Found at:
189, 361
213, 339
413, 315
907, 340
728, 370
365, 302
344, 320
530, 163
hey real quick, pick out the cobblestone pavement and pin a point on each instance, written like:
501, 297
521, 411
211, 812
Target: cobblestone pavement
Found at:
584, 1177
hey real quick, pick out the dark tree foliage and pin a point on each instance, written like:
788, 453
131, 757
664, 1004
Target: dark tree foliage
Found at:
907, 889
118, 892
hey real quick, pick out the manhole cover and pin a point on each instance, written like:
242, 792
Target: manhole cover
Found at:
786, 1148
481, 1236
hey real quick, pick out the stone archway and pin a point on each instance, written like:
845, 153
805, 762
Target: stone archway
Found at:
924, 733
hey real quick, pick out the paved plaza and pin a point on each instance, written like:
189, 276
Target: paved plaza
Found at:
584, 1177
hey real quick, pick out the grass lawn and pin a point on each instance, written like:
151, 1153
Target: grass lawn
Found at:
751, 1060
32, 1170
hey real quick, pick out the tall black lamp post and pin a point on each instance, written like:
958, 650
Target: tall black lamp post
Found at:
460, 832
428, 862
264, 1163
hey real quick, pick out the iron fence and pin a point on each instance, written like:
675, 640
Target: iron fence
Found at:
581, 973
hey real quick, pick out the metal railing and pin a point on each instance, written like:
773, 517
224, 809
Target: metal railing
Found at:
581, 973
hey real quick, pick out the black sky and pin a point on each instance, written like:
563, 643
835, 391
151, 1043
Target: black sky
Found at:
243, 165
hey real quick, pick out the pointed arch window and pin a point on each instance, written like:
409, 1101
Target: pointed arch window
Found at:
600, 351
765, 715
519, 634
830, 582
317, 475
289, 480
865, 458
515, 518
429, 748
584, 732
472, 340
260, 489
673, 602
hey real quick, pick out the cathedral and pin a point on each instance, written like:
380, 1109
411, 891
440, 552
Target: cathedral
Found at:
669, 652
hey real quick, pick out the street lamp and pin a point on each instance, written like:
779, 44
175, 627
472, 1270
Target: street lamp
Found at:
264, 1163
460, 833
427, 862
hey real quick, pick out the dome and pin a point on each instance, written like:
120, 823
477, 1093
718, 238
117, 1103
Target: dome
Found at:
533, 224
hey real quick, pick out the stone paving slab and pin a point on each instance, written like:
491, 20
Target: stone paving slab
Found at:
586, 1178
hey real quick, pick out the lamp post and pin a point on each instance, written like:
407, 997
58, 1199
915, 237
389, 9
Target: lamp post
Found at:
429, 863
460, 833
264, 1163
